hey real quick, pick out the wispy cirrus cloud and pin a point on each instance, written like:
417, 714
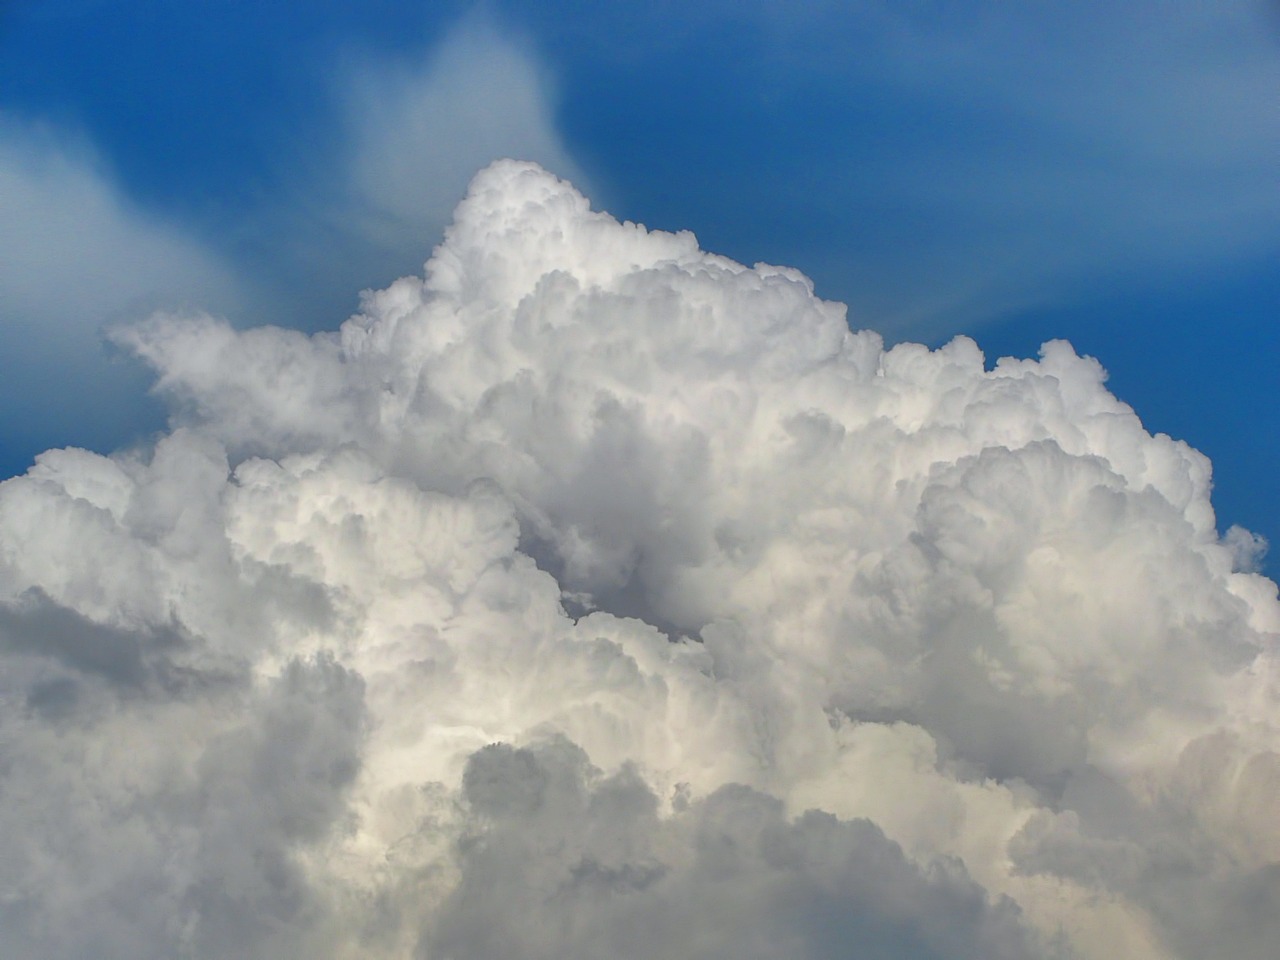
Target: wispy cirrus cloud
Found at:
76, 255
1086, 147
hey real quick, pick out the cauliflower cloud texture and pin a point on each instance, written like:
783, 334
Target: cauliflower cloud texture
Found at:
596, 596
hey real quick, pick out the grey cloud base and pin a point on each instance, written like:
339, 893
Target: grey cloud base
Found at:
594, 595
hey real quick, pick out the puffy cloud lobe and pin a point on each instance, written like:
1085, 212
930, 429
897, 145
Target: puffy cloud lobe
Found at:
594, 594
562, 862
174, 827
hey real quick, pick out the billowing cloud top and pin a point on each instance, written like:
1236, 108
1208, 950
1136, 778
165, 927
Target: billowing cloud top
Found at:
594, 595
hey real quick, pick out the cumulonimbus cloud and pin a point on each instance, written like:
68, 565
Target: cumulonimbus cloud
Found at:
595, 595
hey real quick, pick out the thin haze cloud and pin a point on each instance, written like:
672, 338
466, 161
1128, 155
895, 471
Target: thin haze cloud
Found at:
75, 256
422, 129
414, 129
595, 595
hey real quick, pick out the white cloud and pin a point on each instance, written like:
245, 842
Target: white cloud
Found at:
415, 130
77, 254
978, 621
422, 129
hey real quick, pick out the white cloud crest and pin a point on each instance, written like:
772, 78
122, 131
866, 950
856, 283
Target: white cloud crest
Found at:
415, 129
595, 595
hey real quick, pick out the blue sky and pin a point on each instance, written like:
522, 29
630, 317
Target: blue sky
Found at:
1018, 173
